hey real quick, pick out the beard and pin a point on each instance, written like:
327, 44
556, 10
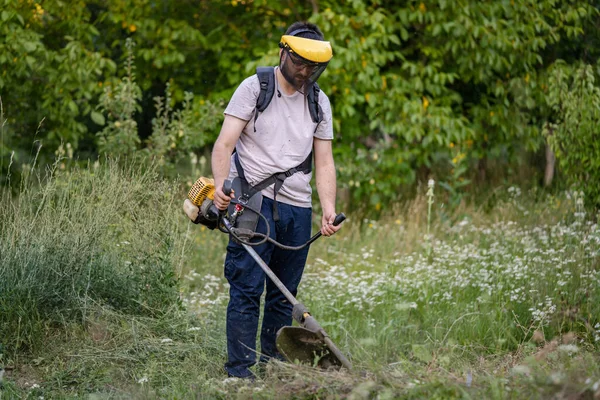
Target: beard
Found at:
297, 80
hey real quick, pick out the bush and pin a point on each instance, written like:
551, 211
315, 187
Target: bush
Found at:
102, 235
575, 100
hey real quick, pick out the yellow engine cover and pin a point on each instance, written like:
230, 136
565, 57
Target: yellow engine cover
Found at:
202, 189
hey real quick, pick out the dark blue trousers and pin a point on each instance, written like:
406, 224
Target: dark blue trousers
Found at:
247, 283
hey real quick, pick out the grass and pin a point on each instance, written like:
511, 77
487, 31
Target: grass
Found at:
91, 235
498, 304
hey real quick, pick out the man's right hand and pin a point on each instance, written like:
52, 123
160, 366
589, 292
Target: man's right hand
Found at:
221, 157
221, 200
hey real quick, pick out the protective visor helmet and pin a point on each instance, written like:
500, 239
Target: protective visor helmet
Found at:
303, 60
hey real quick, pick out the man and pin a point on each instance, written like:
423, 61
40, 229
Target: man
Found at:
276, 140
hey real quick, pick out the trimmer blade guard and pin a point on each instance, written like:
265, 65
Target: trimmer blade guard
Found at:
305, 346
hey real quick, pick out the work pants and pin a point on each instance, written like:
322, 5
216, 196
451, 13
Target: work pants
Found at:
247, 283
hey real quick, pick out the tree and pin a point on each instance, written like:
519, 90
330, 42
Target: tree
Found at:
429, 86
50, 73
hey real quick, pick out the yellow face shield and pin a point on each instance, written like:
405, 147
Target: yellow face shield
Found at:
303, 60
312, 51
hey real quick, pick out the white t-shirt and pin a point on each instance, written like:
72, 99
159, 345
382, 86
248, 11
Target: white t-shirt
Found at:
283, 138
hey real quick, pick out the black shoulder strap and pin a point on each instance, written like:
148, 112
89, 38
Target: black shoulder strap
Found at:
266, 77
316, 113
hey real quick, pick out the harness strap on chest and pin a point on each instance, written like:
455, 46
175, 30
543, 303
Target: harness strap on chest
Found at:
275, 179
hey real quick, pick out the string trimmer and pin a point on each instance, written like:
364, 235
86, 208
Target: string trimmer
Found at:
307, 343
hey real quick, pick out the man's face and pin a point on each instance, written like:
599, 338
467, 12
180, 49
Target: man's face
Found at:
295, 70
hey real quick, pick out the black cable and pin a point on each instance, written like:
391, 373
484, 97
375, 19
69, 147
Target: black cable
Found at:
236, 237
265, 237
282, 246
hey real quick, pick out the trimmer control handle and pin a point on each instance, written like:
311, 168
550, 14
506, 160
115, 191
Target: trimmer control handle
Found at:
227, 190
227, 187
339, 219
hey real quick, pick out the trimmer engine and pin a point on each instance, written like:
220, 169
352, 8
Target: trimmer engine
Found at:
199, 204
200, 209
203, 188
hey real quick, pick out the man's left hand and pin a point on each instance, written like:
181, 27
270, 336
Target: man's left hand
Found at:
327, 227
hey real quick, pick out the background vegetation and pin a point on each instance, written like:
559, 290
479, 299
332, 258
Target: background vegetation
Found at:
468, 162
470, 93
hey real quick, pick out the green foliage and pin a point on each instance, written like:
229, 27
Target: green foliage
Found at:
417, 81
204, 45
101, 236
420, 89
176, 133
574, 97
50, 72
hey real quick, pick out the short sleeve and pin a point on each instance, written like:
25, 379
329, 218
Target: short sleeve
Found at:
243, 101
325, 129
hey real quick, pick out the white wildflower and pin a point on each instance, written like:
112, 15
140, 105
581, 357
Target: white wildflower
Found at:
568, 348
521, 370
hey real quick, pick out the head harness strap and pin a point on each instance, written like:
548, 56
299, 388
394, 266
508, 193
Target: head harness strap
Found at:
302, 30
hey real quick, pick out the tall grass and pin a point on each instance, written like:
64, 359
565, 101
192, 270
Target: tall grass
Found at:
427, 303
485, 295
102, 235
491, 282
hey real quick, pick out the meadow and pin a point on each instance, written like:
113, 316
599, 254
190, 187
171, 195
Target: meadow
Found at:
108, 291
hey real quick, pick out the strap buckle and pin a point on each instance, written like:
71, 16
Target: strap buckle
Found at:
290, 172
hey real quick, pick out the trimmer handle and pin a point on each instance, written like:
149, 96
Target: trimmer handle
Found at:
214, 213
227, 187
338, 220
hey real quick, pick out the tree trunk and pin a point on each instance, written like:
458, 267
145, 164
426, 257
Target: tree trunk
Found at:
482, 169
550, 161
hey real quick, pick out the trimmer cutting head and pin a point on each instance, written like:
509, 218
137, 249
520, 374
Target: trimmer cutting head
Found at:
299, 344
